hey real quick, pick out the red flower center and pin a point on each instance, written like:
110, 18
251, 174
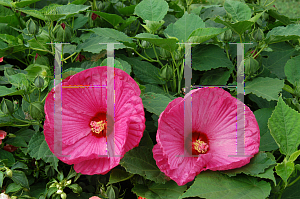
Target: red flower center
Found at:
98, 125
199, 143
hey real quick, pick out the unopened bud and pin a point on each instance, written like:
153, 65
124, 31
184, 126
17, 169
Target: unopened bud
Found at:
59, 191
258, 35
9, 172
39, 82
32, 27
7, 107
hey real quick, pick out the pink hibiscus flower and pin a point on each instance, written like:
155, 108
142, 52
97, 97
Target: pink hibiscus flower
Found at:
214, 131
84, 123
2, 135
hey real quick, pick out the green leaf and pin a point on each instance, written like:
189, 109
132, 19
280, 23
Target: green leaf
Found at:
155, 103
238, 27
113, 19
284, 126
66, 11
34, 13
292, 192
140, 161
144, 71
25, 134
169, 44
285, 20
213, 185
118, 175
7, 158
4, 91
19, 165
125, 66
184, 27
12, 49
16, 79
294, 156
38, 148
17, 141
79, 22
280, 34
159, 191
284, 170
265, 87
152, 10
267, 143
1, 178
276, 60
92, 44
24, 3
146, 140
239, 11
20, 178
112, 33
207, 57
13, 187
257, 165
8, 3
128, 10
292, 69
268, 174
201, 35
218, 76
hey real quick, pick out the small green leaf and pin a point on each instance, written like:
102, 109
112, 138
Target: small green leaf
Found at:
257, 165
118, 175
169, 44
207, 57
213, 185
113, 19
19, 165
218, 76
184, 27
1, 178
144, 71
284, 125
140, 161
265, 87
267, 174
13, 187
24, 3
20, 178
292, 69
284, 170
281, 33
155, 103
38, 148
267, 142
238, 27
294, 156
239, 11
201, 35
7, 158
152, 10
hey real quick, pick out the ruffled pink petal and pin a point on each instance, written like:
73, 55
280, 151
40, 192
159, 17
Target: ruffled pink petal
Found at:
97, 166
214, 113
80, 105
2, 134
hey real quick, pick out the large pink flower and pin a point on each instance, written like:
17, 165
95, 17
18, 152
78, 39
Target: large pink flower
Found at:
84, 138
214, 135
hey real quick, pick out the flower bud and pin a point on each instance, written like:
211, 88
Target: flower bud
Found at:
166, 72
7, 107
179, 54
10, 71
59, 191
68, 182
112, 192
226, 36
9, 172
4, 196
145, 44
32, 27
39, 82
36, 110
25, 86
258, 35
63, 195
14, 197
164, 53
62, 33
251, 66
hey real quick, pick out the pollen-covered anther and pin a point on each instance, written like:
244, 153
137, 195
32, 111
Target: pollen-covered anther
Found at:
97, 127
200, 146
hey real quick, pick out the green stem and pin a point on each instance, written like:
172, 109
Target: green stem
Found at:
39, 94
152, 60
226, 48
69, 57
288, 89
157, 56
260, 51
270, 3
290, 184
42, 50
241, 40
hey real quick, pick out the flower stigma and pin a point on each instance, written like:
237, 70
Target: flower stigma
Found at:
200, 146
99, 127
